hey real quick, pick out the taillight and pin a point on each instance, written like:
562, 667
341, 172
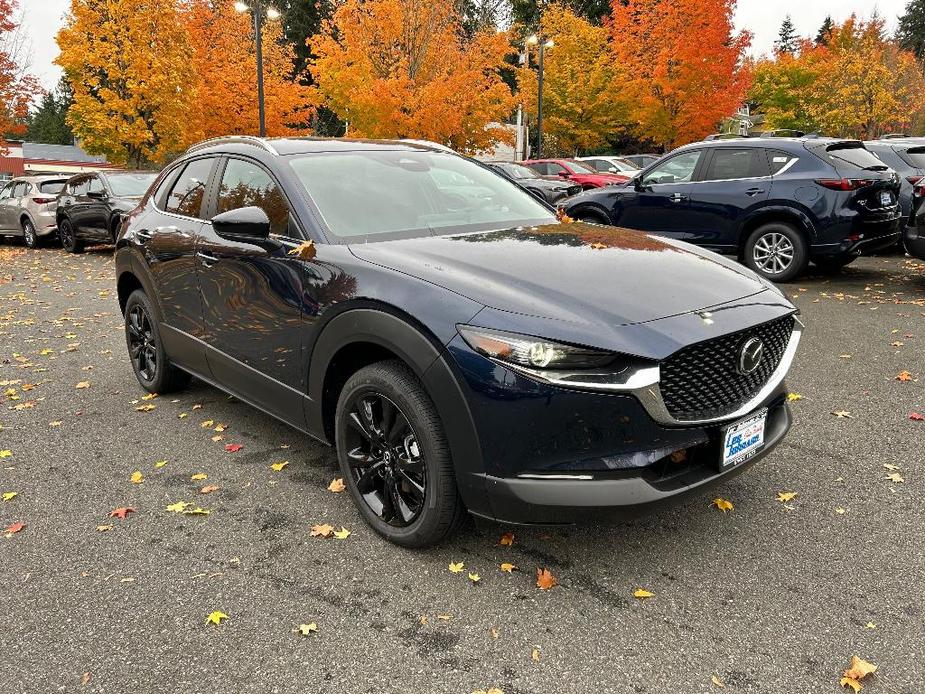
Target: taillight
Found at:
43, 201
844, 183
919, 190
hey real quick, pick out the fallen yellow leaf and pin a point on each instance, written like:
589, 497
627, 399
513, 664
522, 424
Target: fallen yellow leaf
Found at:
337, 485
894, 477
642, 593
786, 496
277, 467
342, 534
506, 540
197, 511
535, 655
723, 504
137, 477
9, 496
304, 251
848, 682
322, 530
83, 385
717, 681
208, 489
474, 577
457, 567
206, 423
859, 668
216, 617
306, 629
179, 507
843, 414
508, 568
199, 476
103, 528
791, 397
6, 454
145, 408
159, 464
904, 376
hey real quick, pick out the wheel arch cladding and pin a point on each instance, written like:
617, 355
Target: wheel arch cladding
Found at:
359, 337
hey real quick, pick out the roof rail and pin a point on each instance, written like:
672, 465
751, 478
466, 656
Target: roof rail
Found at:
231, 139
429, 143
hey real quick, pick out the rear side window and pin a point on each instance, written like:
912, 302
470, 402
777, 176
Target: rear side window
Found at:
598, 164
51, 186
849, 155
916, 157
96, 185
889, 157
188, 192
730, 164
780, 161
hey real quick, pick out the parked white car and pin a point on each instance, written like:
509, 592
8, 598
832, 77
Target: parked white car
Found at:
608, 164
27, 207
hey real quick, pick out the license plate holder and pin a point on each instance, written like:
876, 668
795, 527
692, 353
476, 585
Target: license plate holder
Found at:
743, 440
886, 198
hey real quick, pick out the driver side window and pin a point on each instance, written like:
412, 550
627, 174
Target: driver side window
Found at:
245, 184
7, 191
679, 169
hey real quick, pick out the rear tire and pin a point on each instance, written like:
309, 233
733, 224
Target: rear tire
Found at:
68, 236
150, 362
394, 456
29, 237
777, 252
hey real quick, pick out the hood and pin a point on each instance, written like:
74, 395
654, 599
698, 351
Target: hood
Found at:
547, 184
574, 272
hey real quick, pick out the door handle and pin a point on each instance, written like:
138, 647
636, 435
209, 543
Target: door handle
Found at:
677, 197
143, 235
752, 192
206, 259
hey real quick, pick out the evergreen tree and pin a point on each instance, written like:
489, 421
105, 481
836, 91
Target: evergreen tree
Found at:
527, 12
48, 124
787, 41
822, 38
911, 33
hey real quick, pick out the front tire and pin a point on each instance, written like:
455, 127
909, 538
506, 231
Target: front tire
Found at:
394, 456
150, 363
29, 237
776, 251
68, 236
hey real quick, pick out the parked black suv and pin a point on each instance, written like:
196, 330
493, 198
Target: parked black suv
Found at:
774, 203
907, 158
528, 179
462, 353
91, 206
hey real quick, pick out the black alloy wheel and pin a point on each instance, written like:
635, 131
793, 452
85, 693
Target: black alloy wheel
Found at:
68, 236
150, 363
394, 456
385, 459
142, 343
28, 234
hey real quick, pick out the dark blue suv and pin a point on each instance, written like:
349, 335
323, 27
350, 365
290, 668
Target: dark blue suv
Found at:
463, 352
775, 203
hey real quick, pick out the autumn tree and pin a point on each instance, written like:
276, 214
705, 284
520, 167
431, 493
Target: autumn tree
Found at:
783, 89
18, 89
399, 68
224, 64
129, 64
582, 100
867, 85
683, 64
822, 36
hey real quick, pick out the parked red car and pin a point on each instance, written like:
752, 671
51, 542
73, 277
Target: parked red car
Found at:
558, 169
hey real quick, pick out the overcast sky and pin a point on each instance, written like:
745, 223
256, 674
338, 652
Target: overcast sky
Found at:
762, 17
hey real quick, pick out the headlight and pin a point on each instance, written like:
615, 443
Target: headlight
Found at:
532, 352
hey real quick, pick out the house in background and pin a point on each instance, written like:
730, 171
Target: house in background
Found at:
19, 158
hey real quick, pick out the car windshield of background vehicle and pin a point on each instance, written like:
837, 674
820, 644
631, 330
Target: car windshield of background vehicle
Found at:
130, 185
52, 186
405, 194
520, 172
580, 168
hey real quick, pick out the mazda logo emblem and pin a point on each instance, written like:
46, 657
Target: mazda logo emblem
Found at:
750, 354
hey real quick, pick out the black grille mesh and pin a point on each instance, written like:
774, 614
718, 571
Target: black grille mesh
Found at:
701, 381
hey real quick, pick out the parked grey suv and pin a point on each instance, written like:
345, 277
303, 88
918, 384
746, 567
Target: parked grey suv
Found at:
27, 207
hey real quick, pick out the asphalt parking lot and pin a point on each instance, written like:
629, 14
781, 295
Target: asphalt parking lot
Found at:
769, 597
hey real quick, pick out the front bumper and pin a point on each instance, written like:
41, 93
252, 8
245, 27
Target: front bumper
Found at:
618, 496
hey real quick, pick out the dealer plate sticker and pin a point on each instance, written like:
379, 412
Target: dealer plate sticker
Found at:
744, 439
886, 199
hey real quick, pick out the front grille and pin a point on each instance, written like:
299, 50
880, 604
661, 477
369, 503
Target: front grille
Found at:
573, 190
702, 381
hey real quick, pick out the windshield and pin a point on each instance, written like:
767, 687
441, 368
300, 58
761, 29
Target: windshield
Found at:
130, 185
576, 167
403, 194
518, 171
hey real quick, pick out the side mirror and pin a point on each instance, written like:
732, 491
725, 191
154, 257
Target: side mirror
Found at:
564, 174
612, 169
637, 183
97, 194
243, 224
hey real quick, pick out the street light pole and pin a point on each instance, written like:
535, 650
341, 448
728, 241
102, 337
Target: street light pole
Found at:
260, 12
542, 44
258, 25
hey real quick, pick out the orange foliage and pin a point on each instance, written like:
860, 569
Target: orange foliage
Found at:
17, 90
225, 63
399, 68
684, 65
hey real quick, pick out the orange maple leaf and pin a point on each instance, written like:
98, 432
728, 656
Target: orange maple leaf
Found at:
121, 512
545, 580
